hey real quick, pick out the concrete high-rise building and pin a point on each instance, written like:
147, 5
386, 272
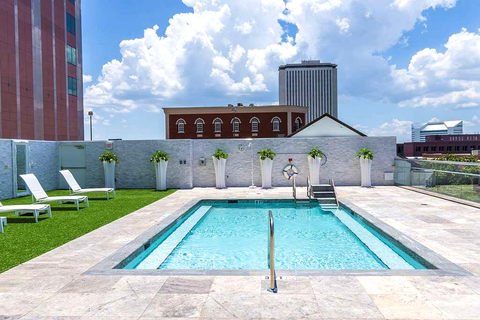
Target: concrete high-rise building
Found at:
421, 130
310, 84
41, 87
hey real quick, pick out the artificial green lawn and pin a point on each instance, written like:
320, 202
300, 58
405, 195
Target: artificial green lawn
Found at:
24, 239
466, 192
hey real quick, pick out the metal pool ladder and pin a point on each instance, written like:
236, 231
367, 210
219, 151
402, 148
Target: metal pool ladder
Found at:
271, 253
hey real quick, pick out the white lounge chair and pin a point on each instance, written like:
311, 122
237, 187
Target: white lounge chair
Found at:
36, 209
40, 196
76, 189
3, 222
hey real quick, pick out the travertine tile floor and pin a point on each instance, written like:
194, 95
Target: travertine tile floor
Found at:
52, 286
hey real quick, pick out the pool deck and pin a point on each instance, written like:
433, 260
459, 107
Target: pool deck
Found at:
57, 285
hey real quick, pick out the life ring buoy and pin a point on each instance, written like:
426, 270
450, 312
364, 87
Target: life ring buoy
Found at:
289, 171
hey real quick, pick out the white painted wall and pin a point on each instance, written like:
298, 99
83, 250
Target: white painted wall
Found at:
326, 127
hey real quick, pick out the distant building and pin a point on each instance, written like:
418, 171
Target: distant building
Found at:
462, 144
41, 70
311, 84
422, 130
327, 126
233, 122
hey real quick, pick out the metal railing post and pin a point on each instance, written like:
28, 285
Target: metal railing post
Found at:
271, 253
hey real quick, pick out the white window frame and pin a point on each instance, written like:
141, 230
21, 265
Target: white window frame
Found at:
235, 121
300, 122
180, 124
276, 124
255, 121
217, 121
199, 124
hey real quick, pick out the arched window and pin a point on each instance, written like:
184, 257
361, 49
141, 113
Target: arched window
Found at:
180, 125
217, 125
298, 123
235, 124
276, 123
254, 122
199, 124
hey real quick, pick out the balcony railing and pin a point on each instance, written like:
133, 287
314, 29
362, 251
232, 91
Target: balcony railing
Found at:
455, 179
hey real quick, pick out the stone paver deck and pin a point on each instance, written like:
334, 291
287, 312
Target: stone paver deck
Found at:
54, 286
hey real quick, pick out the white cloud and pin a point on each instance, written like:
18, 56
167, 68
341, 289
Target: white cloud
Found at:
450, 79
106, 122
230, 48
396, 127
87, 78
124, 120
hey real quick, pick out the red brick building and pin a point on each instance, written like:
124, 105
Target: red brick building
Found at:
440, 144
41, 70
233, 122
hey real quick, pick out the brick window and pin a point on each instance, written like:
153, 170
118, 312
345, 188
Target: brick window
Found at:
181, 126
449, 148
217, 125
71, 55
298, 123
71, 23
255, 123
441, 148
425, 149
276, 124
72, 86
235, 125
418, 149
199, 123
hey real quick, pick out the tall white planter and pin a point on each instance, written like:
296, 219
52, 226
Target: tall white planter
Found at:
314, 169
109, 169
161, 174
219, 165
267, 166
366, 172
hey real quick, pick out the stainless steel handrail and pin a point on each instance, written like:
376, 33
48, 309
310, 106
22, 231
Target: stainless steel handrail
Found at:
332, 183
271, 253
309, 189
294, 188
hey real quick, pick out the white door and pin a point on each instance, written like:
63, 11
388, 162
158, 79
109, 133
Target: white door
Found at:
72, 157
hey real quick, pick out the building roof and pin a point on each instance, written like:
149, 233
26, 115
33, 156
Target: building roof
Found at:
436, 125
322, 127
308, 64
239, 109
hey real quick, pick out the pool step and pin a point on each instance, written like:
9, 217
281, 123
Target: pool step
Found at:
161, 253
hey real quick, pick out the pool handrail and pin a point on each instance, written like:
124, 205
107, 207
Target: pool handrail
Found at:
332, 183
294, 188
271, 252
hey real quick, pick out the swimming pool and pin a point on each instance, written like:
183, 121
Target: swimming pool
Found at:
233, 235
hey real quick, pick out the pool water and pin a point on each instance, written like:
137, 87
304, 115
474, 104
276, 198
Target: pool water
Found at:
226, 236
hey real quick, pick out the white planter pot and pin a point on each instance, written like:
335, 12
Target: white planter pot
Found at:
267, 166
314, 169
161, 174
219, 165
109, 168
366, 172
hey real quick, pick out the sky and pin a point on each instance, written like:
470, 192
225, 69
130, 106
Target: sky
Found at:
399, 61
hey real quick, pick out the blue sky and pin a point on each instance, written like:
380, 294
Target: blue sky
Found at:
400, 61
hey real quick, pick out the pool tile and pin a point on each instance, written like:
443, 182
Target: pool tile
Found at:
275, 306
458, 306
347, 306
406, 306
67, 304
237, 285
334, 285
228, 306
176, 305
91, 284
187, 285
19, 304
441, 285
299, 285
387, 285
139, 285
120, 304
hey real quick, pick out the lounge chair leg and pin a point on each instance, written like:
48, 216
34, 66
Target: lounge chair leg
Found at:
1, 225
86, 202
114, 193
49, 212
108, 195
78, 206
35, 213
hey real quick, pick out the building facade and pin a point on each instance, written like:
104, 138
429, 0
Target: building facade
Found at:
462, 144
41, 94
311, 84
421, 131
233, 122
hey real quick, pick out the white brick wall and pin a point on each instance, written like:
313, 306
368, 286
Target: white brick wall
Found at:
136, 171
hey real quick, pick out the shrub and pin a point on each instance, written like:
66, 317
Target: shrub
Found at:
266, 153
158, 156
365, 153
316, 153
220, 154
457, 158
109, 157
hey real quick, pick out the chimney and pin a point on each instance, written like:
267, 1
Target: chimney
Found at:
239, 104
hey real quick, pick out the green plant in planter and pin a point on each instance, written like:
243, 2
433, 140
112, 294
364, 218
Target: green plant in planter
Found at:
316, 153
109, 157
266, 153
220, 154
158, 156
365, 153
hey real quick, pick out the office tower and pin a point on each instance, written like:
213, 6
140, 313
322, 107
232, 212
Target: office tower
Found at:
311, 84
41, 94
